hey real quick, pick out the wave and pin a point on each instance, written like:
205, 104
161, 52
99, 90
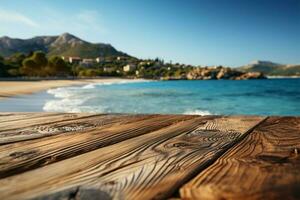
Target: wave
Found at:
73, 105
74, 99
93, 85
64, 105
63, 92
67, 99
89, 86
198, 112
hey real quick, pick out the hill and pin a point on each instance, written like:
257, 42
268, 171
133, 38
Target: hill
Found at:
271, 69
62, 45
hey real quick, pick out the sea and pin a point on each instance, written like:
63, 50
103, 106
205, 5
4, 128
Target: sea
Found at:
209, 97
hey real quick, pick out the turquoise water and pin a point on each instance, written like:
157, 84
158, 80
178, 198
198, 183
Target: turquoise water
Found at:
251, 97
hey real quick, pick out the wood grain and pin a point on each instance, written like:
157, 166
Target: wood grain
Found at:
38, 118
266, 165
66, 125
8, 117
11, 116
22, 156
148, 166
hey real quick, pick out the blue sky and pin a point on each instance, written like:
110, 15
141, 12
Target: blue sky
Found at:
200, 32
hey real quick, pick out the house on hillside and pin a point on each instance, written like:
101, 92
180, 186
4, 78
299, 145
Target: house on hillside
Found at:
99, 60
119, 58
87, 62
74, 60
129, 67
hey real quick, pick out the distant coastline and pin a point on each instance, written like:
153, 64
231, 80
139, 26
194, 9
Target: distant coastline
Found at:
279, 77
70, 56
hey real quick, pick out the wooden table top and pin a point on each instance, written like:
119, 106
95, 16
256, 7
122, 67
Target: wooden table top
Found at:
120, 156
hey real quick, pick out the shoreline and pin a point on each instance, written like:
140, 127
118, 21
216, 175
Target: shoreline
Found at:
14, 87
10, 88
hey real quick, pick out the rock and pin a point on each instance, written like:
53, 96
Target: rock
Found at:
251, 75
208, 73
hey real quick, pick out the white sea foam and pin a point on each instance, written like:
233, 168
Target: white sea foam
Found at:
89, 86
68, 99
63, 92
92, 85
67, 103
72, 99
198, 112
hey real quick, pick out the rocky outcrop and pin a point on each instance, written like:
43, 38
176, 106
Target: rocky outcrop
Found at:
211, 73
251, 75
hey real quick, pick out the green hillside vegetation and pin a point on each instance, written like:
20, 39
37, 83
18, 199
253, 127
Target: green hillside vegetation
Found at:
38, 64
33, 65
85, 50
62, 45
20, 61
286, 71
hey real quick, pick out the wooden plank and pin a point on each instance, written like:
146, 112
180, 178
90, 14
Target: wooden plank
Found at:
7, 117
65, 126
37, 119
149, 166
22, 156
266, 165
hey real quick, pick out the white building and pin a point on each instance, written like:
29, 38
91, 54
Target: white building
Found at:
129, 67
75, 60
87, 62
98, 60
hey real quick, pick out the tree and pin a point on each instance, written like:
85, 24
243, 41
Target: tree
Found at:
88, 73
29, 67
30, 54
91, 73
17, 59
3, 69
8, 68
35, 65
13, 72
40, 59
57, 66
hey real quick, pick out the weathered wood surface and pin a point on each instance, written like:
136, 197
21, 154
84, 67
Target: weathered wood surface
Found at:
35, 119
25, 155
148, 166
71, 171
266, 165
85, 156
66, 124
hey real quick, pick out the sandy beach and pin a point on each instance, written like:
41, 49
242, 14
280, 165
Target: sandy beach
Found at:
12, 88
